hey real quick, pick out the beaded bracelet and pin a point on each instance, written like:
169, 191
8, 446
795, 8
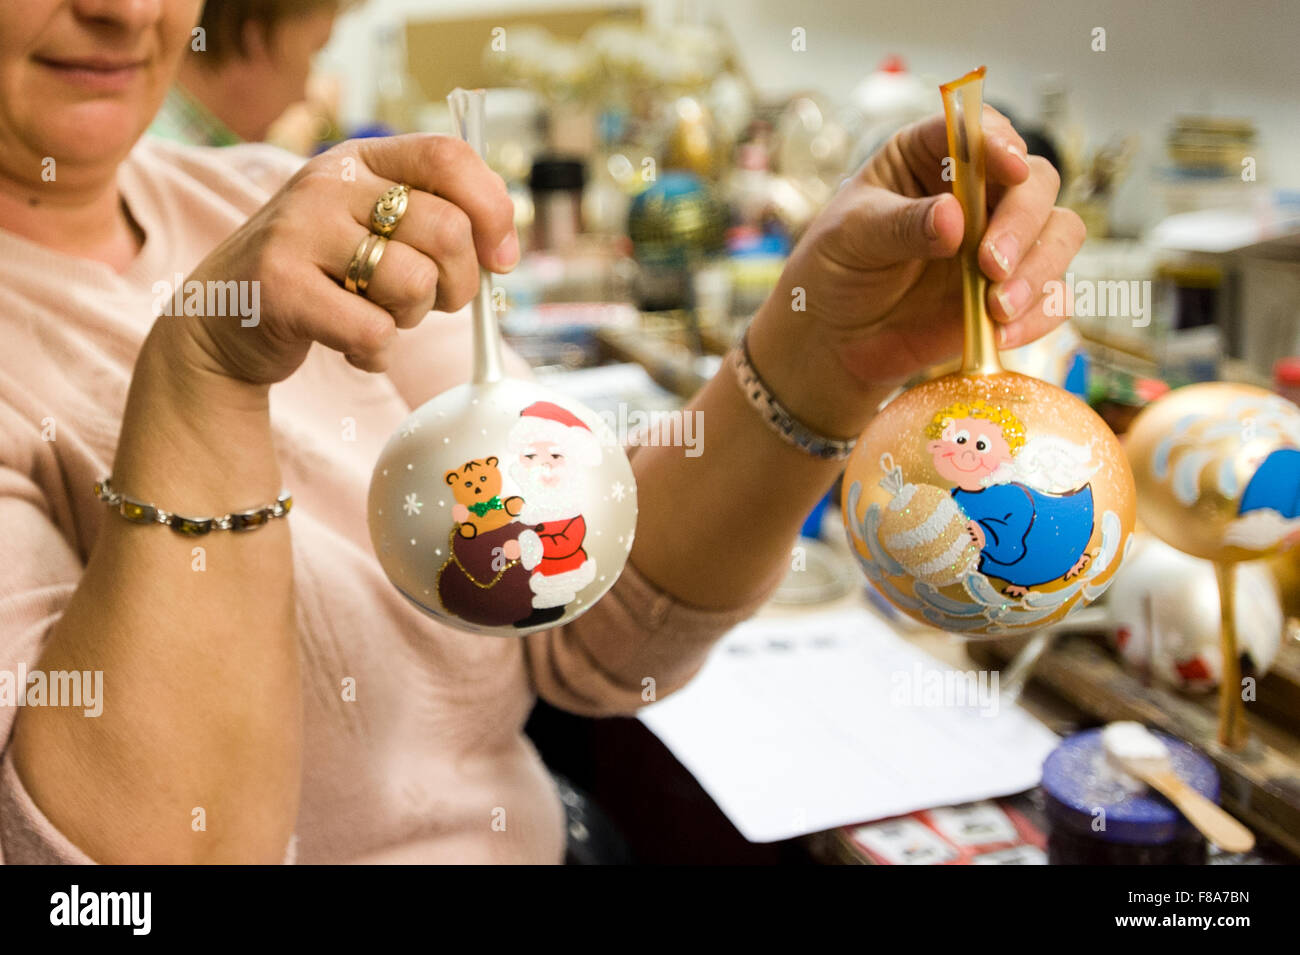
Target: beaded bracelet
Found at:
790, 428
138, 512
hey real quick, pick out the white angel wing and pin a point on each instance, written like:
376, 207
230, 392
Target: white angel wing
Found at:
1049, 464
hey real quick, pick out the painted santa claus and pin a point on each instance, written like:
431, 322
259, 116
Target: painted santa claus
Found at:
553, 451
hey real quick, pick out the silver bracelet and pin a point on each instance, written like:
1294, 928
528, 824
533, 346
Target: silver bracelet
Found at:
790, 428
139, 512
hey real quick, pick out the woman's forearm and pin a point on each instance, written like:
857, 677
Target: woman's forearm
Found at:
197, 752
715, 529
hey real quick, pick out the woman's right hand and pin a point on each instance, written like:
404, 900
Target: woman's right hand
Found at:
297, 248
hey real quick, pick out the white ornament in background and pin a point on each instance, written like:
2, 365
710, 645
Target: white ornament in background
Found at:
1163, 609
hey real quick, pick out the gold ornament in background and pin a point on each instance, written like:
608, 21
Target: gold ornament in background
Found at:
1214, 463
986, 502
694, 144
1217, 467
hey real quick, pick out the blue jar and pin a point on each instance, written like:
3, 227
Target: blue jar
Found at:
1097, 816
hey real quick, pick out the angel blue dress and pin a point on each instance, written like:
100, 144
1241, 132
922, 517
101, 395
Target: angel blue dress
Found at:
1030, 536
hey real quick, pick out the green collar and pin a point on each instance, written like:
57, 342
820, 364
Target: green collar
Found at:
483, 507
184, 119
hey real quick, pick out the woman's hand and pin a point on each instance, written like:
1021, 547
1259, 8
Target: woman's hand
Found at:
879, 284
298, 246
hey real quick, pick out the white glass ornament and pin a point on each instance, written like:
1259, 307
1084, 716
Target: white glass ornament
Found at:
1164, 612
500, 506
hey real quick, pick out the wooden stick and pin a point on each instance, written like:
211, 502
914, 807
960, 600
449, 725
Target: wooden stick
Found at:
1215, 824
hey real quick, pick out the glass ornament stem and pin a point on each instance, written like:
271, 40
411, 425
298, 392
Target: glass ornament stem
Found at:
1232, 711
963, 107
467, 112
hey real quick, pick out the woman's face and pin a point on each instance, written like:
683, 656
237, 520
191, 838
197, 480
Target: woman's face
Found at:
80, 80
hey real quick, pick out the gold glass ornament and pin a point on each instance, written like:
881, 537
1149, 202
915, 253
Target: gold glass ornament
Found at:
1218, 476
986, 502
501, 507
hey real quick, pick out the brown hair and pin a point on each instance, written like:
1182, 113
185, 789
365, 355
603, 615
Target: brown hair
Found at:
224, 21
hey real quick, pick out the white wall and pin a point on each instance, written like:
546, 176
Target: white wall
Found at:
1239, 58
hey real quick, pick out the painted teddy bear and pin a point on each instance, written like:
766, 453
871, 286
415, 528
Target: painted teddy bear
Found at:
479, 508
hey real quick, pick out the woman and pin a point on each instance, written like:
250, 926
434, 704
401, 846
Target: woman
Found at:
248, 63
271, 696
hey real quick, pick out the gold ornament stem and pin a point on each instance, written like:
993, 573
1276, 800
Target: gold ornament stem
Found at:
1232, 711
467, 112
963, 107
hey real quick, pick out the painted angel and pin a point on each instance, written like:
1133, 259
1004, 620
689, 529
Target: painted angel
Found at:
1028, 500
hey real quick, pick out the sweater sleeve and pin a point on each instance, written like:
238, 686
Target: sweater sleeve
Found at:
41, 573
635, 646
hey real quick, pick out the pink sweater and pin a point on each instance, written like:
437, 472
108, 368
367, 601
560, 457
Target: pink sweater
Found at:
417, 767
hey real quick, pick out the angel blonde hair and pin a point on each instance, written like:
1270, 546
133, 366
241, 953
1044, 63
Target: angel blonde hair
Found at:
1012, 429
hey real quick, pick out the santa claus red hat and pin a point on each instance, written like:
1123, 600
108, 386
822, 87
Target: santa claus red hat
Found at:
547, 421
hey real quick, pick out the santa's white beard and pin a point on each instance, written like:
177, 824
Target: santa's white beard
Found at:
549, 503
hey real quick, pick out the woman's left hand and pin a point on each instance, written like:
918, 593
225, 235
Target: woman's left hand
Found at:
872, 292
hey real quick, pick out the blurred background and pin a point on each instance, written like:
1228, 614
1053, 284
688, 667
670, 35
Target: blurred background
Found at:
665, 156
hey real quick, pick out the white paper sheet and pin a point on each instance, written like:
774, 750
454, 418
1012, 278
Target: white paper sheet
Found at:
800, 724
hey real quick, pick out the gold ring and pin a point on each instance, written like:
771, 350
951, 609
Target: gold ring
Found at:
358, 259
389, 209
364, 262
372, 262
